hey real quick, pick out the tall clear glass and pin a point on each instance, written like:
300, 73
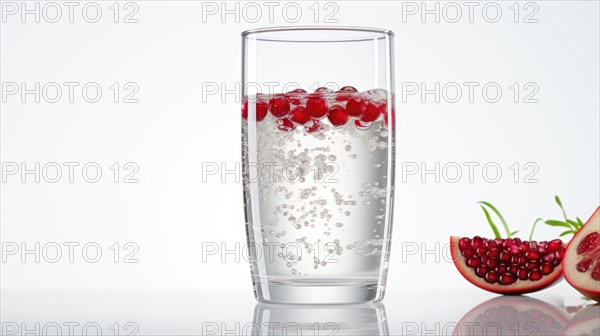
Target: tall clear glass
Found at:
318, 162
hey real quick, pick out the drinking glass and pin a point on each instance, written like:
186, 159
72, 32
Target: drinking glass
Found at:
318, 162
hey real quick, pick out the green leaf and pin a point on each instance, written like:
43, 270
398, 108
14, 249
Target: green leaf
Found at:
499, 216
514, 233
573, 223
567, 232
533, 228
557, 199
552, 222
579, 221
489, 220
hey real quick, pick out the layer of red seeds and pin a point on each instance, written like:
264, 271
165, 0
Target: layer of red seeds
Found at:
299, 108
589, 248
504, 261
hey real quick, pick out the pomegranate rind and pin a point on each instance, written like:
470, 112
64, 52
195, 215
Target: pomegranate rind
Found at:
519, 287
522, 303
582, 282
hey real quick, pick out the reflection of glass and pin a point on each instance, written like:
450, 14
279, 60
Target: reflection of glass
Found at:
320, 320
512, 315
318, 162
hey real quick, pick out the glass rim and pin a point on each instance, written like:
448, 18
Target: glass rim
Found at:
377, 33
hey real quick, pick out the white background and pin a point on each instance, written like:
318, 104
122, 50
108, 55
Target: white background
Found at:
176, 48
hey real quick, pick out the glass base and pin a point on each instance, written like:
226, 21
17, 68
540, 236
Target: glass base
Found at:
317, 293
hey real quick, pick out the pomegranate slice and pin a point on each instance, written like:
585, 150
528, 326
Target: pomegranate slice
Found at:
513, 315
582, 258
312, 126
508, 266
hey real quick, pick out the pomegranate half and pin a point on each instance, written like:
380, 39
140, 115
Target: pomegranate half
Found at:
582, 259
508, 266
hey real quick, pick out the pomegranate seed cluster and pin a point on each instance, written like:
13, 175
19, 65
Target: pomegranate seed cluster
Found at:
299, 108
589, 248
504, 261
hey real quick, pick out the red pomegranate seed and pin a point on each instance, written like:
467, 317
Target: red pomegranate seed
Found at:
554, 245
524, 247
372, 113
548, 258
494, 253
316, 107
476, 242
463, 242
516, 259
482, 250
514, 250
345, 93
294, 96
473, 262
493, 263
508, 243
499, 241
491, 277
560, 253
546, 268
517, 241
361, 125
299, 115
584, 266
491, 244
507, 279
356, 107
532, 265
323, 89
312, 126
505, 257
337, 115
513, 268
285, 124
535, 275
532, 255
261, 110
484, 259
279, 107
596, 271
468, 252
245, 109
589, 243
523, 273
348, 89
501, 269
482, 270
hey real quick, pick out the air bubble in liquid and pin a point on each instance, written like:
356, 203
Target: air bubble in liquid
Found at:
348, 148
339, 225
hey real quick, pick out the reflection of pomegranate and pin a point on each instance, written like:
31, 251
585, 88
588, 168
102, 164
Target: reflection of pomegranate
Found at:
512, 315
508, 266
585, 322
582, 259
